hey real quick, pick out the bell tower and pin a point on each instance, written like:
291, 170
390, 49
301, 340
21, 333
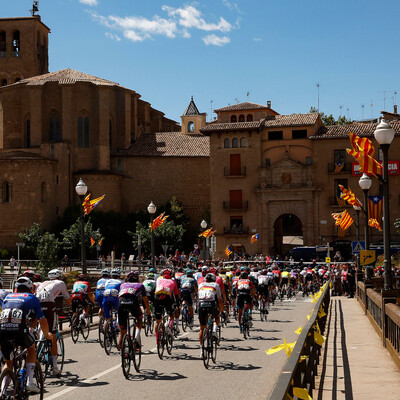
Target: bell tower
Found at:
23, 48
192, 119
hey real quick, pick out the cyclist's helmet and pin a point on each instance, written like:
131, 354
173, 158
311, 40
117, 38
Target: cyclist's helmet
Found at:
115, 273
29, 273
81, 277
133, 276
189, 273
244, 275
55, 274
152, 270
180, 269
167, 273
38, 278
23, 284
105, 273
255, 269
263, 272
213, 271
210, 277
151, 276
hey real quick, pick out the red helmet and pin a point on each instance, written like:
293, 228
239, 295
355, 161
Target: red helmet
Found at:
167, 273
81, 277
29, 273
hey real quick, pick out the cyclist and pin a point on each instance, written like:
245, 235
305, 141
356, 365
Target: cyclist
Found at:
234, 287
100, 287
209, 293
131, 294
18, 308
227, 287
245, 293
150, 286
285, 275
110, 295
277, 274
153, 271
166, 297
263, 290
188, 289
178, 276
81, 295
294, 276
47, 293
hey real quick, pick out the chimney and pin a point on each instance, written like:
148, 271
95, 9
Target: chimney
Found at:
395, 109
269, 103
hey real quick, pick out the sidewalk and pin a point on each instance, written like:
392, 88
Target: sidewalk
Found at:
354, 365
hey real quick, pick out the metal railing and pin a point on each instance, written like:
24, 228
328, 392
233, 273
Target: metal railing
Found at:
237, 231
301, 373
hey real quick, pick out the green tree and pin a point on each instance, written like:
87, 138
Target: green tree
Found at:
330, 119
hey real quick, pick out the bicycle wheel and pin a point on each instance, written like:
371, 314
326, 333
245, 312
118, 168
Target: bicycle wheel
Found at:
185, 319
204, 347
160, 340
74, 329
169, 342
85, 327
137, 355
101, 331
38, 380
8, 384
152, 324
126, 355
108, 339
214, 347
60, 352
146, 326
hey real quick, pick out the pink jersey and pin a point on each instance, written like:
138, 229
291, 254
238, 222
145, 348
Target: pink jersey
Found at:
166, 286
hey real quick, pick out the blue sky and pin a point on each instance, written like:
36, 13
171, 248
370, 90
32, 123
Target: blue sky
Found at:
220, 50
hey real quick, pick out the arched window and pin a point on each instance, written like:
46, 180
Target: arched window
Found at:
233, 118
28, 132
17, 80
3, 44
227, 143
55, 127
249, 117
243, 142
235, 143
6, 192
242, 118
4, 82
190, 127
83, 131
16, 49
43, 191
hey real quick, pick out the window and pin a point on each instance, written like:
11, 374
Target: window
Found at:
190, 126
268, 162
236, 224
4, 82
227, 143
235, 165
249, 117
43, 192
235, 143
6, 192
28, 133
243, 142
235, 199
242, 118
275, 135
339, 158
83, 131
16, 50
3, 44
55, 128
338, 182
299, 134
308, 160
233, 118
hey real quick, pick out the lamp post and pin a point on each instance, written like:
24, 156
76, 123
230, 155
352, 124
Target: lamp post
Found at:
357, 210
151, 208
81, 190
365, 184
384, 135
203, 224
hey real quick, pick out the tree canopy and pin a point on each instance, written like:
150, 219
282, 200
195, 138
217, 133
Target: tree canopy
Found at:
330, 119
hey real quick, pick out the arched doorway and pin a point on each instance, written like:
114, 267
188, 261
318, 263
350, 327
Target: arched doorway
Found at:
288, 233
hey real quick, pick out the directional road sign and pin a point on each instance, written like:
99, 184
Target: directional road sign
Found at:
367, 257
357, 246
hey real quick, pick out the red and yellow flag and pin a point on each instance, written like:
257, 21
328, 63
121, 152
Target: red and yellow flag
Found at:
337, 217
375, 207
372, 222
228, 251
158, 221
88, 205
92, 241
345, 221
349, 196
362, 143
207, 233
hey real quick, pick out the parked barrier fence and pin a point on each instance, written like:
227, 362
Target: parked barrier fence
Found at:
298, 372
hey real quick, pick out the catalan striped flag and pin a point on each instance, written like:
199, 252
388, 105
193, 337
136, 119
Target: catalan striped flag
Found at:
89, 205
374, 224
337, 217
363, 143
375, 207
338, 167
158, 221
349, 196
255, 238
228, 251
346, 220
207, 233
92, 241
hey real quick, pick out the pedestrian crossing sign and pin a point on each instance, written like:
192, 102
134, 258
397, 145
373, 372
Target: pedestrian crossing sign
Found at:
357, 246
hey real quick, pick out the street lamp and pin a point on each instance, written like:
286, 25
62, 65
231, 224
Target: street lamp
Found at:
81, 190
365, 183
203, 224
384, 135
151, 208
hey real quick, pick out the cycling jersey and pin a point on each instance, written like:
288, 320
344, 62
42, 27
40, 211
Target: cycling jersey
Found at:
188, 284
244, 286
285, 275
3, 294
209, 291
80, 289
101, 284
166, 287
136, 289
263, 280
150, 286
178, 278
49, 290
130, 297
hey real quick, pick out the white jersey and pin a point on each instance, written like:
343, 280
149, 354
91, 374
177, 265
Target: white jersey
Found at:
3, 293
209, 291
49, 290
255, 274
263, 280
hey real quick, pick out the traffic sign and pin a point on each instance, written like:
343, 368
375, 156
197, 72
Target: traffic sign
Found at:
367, 257
327, 259
357, 246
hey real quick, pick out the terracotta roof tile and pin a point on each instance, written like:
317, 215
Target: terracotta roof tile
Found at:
343, 131
231, 126
242, 106
291, 120
168, 144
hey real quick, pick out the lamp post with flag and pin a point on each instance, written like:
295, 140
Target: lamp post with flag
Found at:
203, 224
151, 208
81, 190
384, 135
365, 183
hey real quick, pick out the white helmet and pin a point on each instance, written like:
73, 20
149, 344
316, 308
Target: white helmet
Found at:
55, 274
25, 282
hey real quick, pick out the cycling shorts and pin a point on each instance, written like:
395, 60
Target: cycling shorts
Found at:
78, 303
161, 303
243, 298
128, 305
205, 308
49, 311
99, 297
186, 295
263, 290
9, 339
284, 281
109, 303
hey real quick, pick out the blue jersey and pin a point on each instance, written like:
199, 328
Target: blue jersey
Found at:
111, 288
17, 308
188, 283
101, 284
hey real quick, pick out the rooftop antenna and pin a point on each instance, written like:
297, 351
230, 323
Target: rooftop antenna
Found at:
372, 110
395, 94
348, 114
384, 98
35, 7
318, 95
237, 100
340, 110
362, 112
211, 107
248, 95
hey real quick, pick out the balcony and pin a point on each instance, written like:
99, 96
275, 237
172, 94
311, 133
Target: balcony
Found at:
236, 205
237, 230
347, 168
229, 173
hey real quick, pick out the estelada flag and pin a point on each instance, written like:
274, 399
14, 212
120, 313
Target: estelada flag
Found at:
228, 251
375, 207
338, 167
255, 238
337, 217
158, 221
89, 205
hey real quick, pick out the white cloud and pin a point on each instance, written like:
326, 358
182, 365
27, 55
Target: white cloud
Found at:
257, 39
89, 2
178, 22
113, 37
231, 6
216, 40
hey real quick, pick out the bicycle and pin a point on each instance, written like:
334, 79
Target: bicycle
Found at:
263, 310
44, 356
13, 381
185, 317
246, 320
111, 333
131, 350
80, 323
210, 343
101, 331
148, 324
165, 337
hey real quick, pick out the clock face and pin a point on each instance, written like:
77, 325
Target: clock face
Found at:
191, 127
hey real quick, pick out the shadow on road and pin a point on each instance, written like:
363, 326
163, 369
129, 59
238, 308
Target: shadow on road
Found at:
233, 367
232, 347
151, 374
68, 379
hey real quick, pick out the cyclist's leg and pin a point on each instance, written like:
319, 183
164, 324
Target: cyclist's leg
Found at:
107, 313
158, 312
123, 315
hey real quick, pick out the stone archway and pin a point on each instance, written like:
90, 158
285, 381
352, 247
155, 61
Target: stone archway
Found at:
288, 233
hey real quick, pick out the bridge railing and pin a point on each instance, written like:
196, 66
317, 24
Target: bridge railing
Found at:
299, 372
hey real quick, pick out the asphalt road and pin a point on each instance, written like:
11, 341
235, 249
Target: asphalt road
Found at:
243, 370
